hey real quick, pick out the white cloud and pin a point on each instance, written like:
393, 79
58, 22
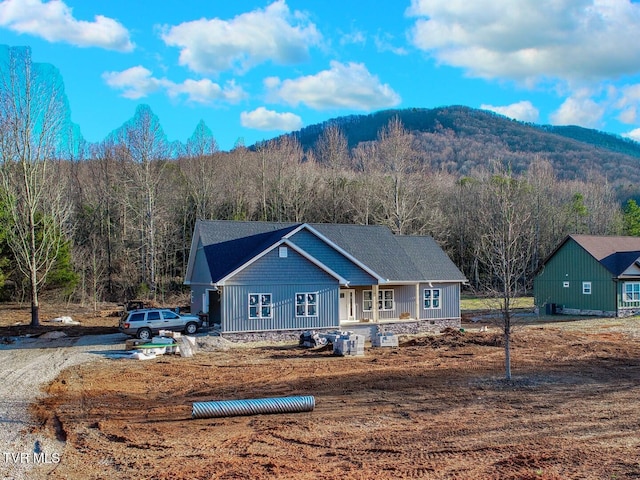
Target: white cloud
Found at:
349, 86
263, 119
384, 43
355, 37
54, 22
523, 111
249, 39
205, 91
135, 82
629, 103
138, 82
580, 110
531, 40
633, 135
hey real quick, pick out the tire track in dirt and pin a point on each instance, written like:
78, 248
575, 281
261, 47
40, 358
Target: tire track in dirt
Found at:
25, 367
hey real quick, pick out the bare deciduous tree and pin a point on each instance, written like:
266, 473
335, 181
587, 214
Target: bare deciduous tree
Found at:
506, 244
32, 106
398, 162
146, 149
198, 167
332, 154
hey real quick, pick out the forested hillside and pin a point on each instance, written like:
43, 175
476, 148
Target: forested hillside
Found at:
132, 204
113, 220
574, 152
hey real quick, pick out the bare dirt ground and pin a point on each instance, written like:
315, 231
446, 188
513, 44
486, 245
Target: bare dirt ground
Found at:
436, 407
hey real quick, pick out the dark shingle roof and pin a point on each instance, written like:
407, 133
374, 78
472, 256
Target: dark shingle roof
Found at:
616, 254
430, 259
373, 245
230, 244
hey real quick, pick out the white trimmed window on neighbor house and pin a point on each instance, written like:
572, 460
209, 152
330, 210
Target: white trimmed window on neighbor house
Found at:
632, 291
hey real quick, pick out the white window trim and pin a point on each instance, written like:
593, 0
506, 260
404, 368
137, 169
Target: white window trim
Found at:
586, 288
424, 299
306, 304
565, 284
632, 291
381, 300
260, 305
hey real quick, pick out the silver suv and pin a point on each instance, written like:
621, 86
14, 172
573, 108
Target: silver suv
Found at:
144, 323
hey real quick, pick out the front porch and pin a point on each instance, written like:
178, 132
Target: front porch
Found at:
400, 327
399, 303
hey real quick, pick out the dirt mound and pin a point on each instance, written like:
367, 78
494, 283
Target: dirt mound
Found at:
453, 338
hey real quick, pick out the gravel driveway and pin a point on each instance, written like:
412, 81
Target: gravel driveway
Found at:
26, 366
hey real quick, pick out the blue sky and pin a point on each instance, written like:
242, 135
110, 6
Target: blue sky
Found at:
255, 69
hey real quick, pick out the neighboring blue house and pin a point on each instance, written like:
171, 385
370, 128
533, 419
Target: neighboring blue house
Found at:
267, 276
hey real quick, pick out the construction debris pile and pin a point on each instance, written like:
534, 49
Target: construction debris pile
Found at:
345, 343
167, 342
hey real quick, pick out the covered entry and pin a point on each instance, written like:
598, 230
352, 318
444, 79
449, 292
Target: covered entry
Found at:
347, 305
214, 307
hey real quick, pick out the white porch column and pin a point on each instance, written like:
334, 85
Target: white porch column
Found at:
418, 301
374, 294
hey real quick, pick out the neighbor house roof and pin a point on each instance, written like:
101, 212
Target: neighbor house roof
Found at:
229, 244
615, 253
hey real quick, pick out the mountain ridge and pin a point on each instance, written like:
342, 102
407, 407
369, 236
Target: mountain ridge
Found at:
460, 139
448, 117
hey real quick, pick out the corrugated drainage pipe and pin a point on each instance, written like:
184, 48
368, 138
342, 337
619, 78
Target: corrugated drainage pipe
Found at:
233, 408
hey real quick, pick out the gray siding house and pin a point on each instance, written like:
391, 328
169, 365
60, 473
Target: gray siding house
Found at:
269, 276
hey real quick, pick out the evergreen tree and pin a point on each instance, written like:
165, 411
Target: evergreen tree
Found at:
631, 218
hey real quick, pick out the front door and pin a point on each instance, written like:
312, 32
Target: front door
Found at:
347, 305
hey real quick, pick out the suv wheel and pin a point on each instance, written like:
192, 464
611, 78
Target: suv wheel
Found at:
191, 328
144, 334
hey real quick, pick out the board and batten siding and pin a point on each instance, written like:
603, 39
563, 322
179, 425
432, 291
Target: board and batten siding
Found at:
405, 302
235, 307
449, 301
332, 259
561, 280
282, 278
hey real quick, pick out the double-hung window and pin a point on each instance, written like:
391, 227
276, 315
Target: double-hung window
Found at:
632, 291
385, 300
260, 305
306, 304
586, 288
431, 299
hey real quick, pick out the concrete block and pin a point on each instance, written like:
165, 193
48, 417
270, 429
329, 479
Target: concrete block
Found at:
384, 340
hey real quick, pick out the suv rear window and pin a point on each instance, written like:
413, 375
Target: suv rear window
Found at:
153, 316
136, 317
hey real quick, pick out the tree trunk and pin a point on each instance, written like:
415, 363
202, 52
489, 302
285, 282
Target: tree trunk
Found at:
35, 306
35, 315
507, 354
